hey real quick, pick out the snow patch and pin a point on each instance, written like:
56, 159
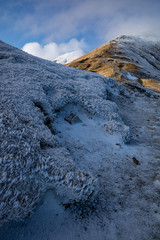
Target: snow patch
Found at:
128, 75
69, 57
131, 77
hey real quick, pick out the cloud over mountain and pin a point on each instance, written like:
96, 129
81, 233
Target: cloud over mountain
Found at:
52, 50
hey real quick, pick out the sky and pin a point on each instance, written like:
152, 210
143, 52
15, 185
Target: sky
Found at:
49, 28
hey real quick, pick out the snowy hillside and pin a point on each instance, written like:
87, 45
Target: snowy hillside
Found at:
69, 57
79, 153
144, 54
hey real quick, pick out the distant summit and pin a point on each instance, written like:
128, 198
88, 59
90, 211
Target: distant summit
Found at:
69, 57
125, 59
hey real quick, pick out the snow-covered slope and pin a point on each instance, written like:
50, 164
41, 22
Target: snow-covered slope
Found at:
69, 57
144, 54
81, 147
126, 59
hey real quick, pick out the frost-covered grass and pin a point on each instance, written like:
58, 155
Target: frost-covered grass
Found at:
33, 91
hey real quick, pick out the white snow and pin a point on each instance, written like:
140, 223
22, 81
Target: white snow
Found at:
131, 77
69, 57
143, 53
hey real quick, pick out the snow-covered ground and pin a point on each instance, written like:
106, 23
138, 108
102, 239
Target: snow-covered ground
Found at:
69, 57
88, 154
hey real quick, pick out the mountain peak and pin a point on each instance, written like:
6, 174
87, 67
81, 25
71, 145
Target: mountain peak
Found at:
124, 59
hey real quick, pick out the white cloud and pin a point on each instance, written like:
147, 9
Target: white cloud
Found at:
52, 50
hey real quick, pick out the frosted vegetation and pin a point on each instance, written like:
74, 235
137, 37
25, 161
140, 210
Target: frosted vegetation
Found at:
33, 92
77, 144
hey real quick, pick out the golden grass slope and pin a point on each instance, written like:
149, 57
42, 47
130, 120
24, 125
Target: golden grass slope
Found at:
110, 60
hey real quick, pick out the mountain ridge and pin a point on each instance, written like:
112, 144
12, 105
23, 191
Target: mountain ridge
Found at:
125, 59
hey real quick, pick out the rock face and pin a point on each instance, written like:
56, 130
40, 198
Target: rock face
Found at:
125, 59
36, 97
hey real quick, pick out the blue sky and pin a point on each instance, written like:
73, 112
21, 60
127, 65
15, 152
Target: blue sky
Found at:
67, 25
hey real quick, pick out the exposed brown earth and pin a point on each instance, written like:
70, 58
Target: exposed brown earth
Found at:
113, 60
103, 61
150, 83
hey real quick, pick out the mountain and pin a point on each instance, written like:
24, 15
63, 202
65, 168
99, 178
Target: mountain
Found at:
79, 153
127, 60
69, 57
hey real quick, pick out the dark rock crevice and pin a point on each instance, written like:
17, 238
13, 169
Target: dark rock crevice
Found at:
47, 119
